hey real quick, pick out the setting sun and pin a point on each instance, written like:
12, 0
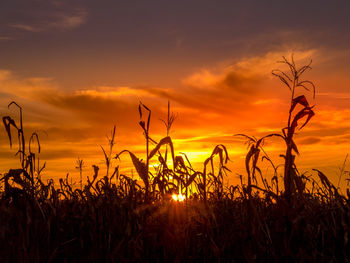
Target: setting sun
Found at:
180, 197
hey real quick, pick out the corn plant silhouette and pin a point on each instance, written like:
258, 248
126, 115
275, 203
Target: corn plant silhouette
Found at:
108, 156
142, 168
292, 180
80, 165
171, 117
251, 162
292, 80
30, 161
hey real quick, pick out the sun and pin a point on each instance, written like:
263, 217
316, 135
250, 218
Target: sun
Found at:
179, 198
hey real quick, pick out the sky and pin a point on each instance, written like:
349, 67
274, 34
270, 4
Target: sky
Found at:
78, 68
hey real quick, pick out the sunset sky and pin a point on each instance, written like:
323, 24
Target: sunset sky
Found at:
79, 67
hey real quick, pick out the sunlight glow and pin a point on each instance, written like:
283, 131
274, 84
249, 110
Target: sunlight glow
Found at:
179, 198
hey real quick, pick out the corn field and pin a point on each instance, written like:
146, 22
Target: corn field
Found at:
176, 213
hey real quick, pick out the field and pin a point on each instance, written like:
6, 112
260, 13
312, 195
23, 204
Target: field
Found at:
176, 213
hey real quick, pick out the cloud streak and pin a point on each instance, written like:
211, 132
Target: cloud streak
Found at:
60, 20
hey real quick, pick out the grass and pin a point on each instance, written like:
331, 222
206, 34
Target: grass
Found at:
115, 218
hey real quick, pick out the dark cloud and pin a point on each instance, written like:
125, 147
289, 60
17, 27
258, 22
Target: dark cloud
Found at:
94, 108
309, 140
325, 131
72, 135
191, 98
93, 114
225, 92
55, 154
239, 83
210, 140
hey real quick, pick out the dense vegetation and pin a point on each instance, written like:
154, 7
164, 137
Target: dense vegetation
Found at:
114, 218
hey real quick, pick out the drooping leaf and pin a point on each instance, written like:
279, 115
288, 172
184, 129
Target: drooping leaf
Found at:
15, 174
277, 71
143, 105
142, 124
179, 162
283, 79
220, 149
162, 161
165, 141
307, 82
34, 135
309, 116
188, 161
294, 147
248, 157
299, 100
148, 119
42, 168
106, 157
140, 111
139, 166
307, 111
325, 181
8, 121
302, 69
250, 139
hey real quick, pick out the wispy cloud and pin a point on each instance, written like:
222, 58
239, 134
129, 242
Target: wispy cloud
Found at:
69, 21
6, 38
29, 28
59, 20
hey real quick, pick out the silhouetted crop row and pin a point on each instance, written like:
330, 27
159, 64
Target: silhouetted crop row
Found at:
115, 218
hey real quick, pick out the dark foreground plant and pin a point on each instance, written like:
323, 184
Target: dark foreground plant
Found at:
292, 79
